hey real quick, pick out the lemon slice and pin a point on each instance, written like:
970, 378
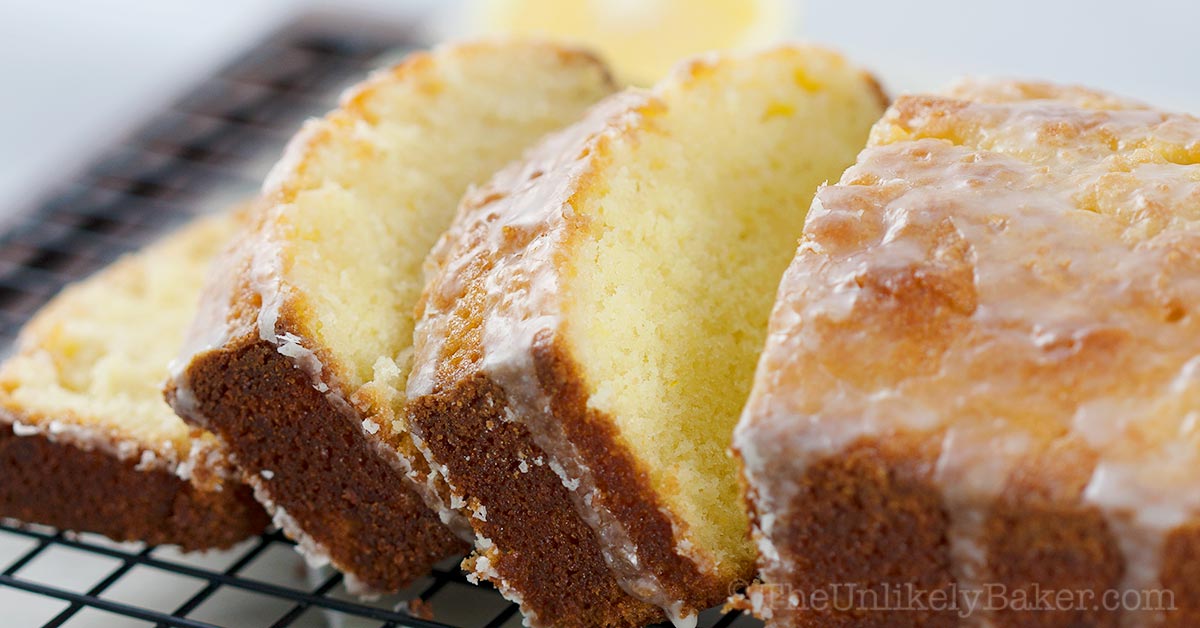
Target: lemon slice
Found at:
642, 39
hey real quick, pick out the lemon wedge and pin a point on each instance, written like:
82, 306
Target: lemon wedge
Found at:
642, 39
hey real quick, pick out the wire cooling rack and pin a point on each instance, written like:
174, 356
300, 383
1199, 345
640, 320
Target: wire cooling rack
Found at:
208, 150
284, 594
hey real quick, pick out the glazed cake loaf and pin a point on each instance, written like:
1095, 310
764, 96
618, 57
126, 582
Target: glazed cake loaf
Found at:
983, 372
86, 440
590, 331
300, 359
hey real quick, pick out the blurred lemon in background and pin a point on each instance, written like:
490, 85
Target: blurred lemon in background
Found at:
642, 39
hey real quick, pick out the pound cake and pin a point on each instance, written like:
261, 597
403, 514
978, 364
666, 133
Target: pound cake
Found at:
979, 398
86, 441
299, 361
589, 334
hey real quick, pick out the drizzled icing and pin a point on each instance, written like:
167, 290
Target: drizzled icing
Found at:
1018, 273
250, 298
519, 223
250, 264
204, 464
253, 266
168, 447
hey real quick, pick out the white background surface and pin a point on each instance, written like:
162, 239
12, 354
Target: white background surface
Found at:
76, 74
73, 74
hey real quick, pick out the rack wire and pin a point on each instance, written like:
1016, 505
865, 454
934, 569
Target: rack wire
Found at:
208, 150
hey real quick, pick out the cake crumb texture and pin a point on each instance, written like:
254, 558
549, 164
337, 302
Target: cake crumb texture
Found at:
86, 440
300, 364
600, 307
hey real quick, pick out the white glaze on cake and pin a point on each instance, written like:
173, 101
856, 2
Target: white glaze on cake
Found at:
1017, 274
87, 377
205, 453
523, 305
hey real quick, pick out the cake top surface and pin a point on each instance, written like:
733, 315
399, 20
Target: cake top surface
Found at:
89, 367
1013, 269
501, 305
331, 267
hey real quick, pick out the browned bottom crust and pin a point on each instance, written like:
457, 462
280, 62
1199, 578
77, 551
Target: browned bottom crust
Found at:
321, 469
70, 488
549, 554
872, 516
625, 489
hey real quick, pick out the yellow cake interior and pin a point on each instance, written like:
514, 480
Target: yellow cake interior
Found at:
692, 223
97, 354
380, 179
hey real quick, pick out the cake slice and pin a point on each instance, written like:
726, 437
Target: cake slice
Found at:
299, 361
86, 441
590, 330
982, 378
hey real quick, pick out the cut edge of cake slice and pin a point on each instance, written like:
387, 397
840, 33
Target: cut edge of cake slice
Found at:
507, 398
299, 355
87, 442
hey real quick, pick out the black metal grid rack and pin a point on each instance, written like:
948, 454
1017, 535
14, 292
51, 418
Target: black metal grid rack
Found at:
209, 149
322, 603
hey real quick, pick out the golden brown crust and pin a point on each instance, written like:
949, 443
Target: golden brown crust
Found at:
310, 460
495, 316
872, 516
266, 326
83, 446
61, 485
845, 526
1181, 575
623, 483
464, 424
541, 550
995, 306
993, 91
453, 360
305, 454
